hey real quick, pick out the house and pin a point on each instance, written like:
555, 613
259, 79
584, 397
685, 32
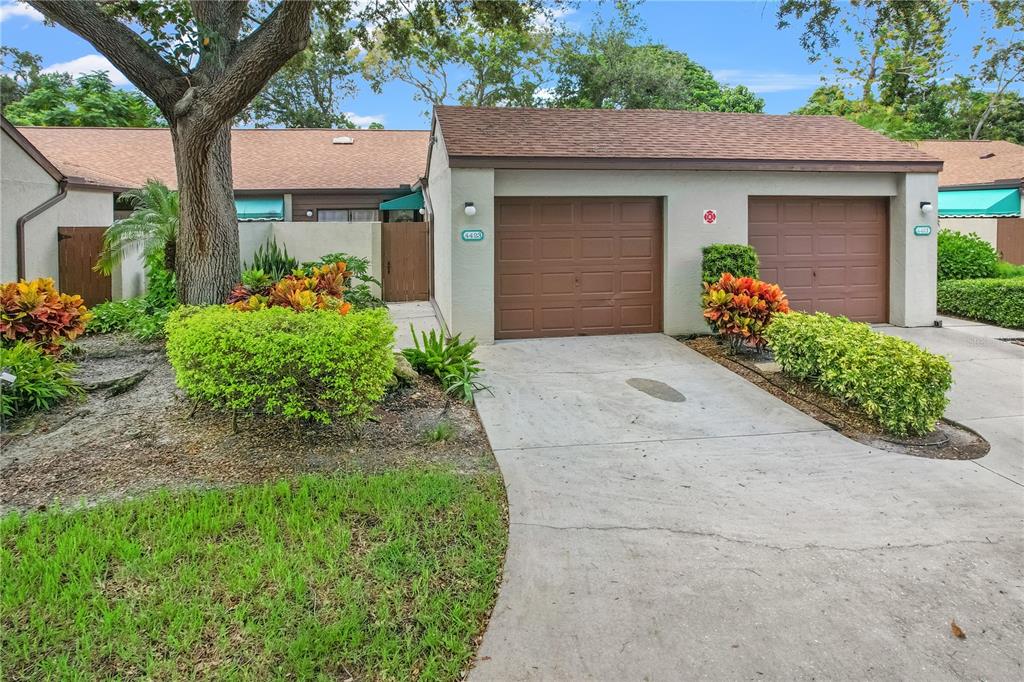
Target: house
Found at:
315, 191
980, 190
549, 222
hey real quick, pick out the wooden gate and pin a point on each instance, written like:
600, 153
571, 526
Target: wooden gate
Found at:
406, 254
78, 248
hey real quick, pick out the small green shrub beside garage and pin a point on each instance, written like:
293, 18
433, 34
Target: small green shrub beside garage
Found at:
739, 260
895, 382
315, 365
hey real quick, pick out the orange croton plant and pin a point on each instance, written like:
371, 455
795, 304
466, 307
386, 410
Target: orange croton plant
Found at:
322, 289
35, 312
740, 308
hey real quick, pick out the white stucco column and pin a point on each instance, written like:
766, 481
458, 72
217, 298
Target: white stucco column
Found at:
912, 257
472, 262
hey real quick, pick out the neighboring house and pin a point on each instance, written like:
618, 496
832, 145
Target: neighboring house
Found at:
550, 222
315, 191
980, 190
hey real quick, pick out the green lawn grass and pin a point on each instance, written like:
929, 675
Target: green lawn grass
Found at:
384, 576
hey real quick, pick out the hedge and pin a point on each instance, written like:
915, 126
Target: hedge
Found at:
897, 383
999, 301
316, 365
738, 260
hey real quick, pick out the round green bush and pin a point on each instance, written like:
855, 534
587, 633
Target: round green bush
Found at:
739, 260
314, 366
965, 256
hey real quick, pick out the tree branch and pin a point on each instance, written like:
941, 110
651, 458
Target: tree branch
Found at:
254, 61
126, 49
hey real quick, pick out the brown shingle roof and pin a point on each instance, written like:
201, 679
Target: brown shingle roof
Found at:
976, 162
705, 139
277, 159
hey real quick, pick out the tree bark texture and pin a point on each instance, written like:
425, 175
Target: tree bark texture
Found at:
206, 251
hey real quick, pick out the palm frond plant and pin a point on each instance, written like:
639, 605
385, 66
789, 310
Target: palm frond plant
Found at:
153, 225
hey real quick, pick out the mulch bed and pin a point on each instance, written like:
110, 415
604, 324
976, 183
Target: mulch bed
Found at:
125, 438
949, 440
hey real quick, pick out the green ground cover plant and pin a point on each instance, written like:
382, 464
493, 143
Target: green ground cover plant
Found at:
388, 576
41, 380
1006, 270
739, 260
897, 383
999, 301
315, 365
965, 256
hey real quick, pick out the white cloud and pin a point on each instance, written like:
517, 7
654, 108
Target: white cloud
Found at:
768, 81
364, 121
10, 9
87, 64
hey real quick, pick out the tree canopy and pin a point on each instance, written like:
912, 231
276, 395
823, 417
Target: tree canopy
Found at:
898, 80
57, 99
608, 68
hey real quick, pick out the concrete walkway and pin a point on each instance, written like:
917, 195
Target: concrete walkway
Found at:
729, 536
419, 314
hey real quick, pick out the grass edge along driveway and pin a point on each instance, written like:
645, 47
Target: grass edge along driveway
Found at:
386, 576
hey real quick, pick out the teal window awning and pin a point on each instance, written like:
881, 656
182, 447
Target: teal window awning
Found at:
259, 208
979, 203
412, 201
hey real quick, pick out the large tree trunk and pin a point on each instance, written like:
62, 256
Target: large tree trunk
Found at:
207, 258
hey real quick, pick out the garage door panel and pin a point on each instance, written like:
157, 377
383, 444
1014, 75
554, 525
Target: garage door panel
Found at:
597, 247
515, 249
599, 275
828, 254
556, 214
515, 215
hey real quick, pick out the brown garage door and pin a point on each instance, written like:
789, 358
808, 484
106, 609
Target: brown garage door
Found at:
577, 266
829, 254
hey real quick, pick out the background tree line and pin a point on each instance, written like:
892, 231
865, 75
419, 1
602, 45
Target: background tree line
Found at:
889, 61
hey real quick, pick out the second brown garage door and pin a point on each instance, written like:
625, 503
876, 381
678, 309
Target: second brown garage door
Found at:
577, 266
828, 254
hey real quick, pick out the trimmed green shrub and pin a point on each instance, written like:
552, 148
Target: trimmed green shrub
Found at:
739, 260
999, 301
41, 380
1006, 270
965, 256
897, 383
316, 365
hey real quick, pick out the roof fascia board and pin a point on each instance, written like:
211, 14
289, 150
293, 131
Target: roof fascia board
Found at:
31, 150
571, 163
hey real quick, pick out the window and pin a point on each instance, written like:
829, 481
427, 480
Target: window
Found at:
346, 215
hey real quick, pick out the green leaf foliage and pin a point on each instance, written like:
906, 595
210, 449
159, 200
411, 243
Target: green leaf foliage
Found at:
1005, 270
897, 383
965, 256
315, 366
41, 380
57, 99
999, 301
739, 260
273, 260
449, 360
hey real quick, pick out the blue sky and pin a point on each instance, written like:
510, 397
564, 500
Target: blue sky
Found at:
738, 41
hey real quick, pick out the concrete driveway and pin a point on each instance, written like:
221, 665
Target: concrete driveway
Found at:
729, 536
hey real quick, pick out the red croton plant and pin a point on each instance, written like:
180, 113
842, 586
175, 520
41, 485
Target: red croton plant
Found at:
322, 289
35, 312
740, 308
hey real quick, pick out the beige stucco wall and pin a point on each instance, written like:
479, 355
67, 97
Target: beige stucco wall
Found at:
986, 228
686, 195
309, 241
